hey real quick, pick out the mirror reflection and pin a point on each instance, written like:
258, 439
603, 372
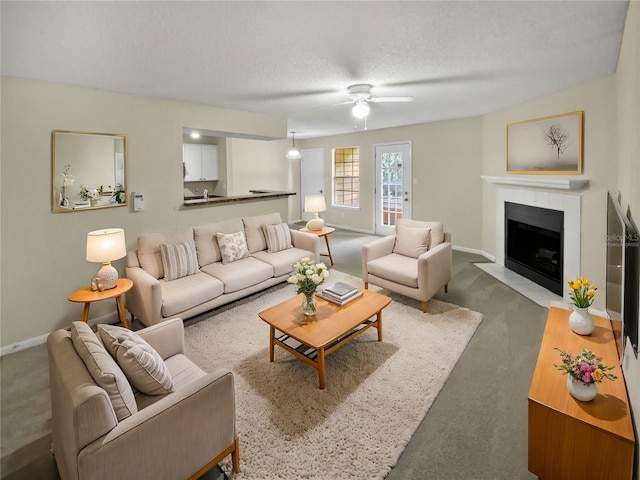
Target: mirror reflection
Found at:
88, 170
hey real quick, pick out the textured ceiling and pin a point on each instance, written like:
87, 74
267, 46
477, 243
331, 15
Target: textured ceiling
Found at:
296, 59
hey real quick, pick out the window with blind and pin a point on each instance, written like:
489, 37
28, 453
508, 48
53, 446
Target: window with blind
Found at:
346, 177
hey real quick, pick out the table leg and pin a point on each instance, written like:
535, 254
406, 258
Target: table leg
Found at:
321, 371
272, 336
85, 312
122, 315
326, 240
379, 322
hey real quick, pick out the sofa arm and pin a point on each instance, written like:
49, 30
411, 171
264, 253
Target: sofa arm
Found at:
166, 338
144, 300
172, 438
434, 268
306, 241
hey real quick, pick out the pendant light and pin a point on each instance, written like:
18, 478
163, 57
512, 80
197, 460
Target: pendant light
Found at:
294, 153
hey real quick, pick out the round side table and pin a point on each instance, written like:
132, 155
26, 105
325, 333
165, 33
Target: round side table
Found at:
87, 296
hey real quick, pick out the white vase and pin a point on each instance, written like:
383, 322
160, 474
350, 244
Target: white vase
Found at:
585, 392
581, 321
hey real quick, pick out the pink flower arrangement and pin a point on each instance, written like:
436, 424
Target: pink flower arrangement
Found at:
584, 366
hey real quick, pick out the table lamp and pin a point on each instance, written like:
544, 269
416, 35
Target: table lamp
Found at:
314, 204
105, 246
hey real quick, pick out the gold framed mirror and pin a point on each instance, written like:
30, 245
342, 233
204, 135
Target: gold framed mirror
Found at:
88, 170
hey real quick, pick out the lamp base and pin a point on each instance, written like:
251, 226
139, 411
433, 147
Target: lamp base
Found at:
109, 276
315, 224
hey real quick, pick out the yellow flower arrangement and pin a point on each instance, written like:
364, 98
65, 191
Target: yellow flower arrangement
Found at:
582, 292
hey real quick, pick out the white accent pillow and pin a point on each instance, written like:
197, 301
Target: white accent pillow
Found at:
179, 260
104, 370
233, 246
411, 241
142, 365
278, 237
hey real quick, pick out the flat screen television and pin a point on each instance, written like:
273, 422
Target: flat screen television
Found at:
622, 275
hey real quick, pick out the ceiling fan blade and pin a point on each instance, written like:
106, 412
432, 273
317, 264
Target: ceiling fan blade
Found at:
390, 99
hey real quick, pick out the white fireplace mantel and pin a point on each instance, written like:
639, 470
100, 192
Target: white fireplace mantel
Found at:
538, 181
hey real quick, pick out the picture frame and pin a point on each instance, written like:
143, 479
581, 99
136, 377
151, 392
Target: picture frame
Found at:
549, 145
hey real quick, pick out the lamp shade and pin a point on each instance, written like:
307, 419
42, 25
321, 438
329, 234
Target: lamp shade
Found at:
106, 245
314, 203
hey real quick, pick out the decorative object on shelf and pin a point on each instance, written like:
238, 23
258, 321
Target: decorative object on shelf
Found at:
582, 294
294, 153
585, 370
105, 246
315, 204
308, 275
94, 196
548, 145
119, 194
66, 181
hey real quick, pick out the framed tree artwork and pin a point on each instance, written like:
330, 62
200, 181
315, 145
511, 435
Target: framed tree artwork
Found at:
548, 145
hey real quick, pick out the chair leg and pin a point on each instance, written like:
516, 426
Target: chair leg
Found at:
424, 307
366, 285
446, 287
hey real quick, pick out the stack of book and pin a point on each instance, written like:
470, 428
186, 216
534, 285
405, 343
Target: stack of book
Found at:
339, 293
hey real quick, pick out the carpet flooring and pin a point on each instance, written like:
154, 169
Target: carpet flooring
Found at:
377, 393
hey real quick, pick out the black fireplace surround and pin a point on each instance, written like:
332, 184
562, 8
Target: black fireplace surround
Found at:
534, 244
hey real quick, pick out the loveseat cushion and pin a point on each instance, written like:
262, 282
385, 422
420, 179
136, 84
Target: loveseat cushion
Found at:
411, 241
207, 243
149, 249
256, 240
178, 260
104, 370
187, 292
281, 261
142, 365
395, 268
278, 237
233, 246
240, 274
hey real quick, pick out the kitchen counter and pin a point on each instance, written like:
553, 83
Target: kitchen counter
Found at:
253, 196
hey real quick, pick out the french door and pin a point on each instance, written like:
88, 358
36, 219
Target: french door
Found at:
393, 185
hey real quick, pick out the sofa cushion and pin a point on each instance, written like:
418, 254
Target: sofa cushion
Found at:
240, 274
278, 237
233, 246
281, 261
207, 243
256, 240
178, 260
188, 292
104, 370
142, 365
411, 241
395, 268
149, 249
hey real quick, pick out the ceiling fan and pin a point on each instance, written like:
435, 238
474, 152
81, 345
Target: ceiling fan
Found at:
360, 94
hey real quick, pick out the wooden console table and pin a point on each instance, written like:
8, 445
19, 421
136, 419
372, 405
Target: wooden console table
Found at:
569, 438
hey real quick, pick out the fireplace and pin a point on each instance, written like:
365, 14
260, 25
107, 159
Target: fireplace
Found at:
534, 244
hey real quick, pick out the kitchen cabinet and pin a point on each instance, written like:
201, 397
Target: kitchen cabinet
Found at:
200, 162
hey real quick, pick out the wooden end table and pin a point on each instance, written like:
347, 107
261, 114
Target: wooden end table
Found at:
323, 233
312, 338
87, 296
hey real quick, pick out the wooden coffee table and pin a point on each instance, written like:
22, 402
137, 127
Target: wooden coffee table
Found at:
311, 339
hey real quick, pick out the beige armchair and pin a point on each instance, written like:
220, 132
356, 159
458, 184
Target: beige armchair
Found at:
415, 261
172, 435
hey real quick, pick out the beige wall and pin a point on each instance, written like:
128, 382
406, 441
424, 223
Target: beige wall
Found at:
446, 163
43, 254
628, 180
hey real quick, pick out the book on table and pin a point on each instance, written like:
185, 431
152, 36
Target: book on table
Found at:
339, 293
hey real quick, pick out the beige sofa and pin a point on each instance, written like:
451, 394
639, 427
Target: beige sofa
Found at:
215, 282
103, 430
415, 261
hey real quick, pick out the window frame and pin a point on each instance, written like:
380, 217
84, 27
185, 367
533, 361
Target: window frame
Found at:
335, 178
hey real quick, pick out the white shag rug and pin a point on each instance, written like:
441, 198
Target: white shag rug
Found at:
376, 393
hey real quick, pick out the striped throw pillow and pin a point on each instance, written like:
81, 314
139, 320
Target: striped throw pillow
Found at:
179, 260
278, 237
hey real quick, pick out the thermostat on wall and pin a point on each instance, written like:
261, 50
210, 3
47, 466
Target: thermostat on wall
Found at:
138, 202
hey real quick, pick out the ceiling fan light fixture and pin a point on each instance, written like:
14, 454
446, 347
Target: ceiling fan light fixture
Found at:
361, 109
294, 153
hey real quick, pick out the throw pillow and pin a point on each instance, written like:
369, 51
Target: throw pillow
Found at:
142, 365
233, 246
278, 237
179, 260
411, 241
104, 370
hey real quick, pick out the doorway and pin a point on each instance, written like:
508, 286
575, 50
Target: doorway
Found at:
393, 185
311, 177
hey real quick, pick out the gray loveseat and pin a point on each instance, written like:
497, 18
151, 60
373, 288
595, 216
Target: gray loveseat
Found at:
215, 282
